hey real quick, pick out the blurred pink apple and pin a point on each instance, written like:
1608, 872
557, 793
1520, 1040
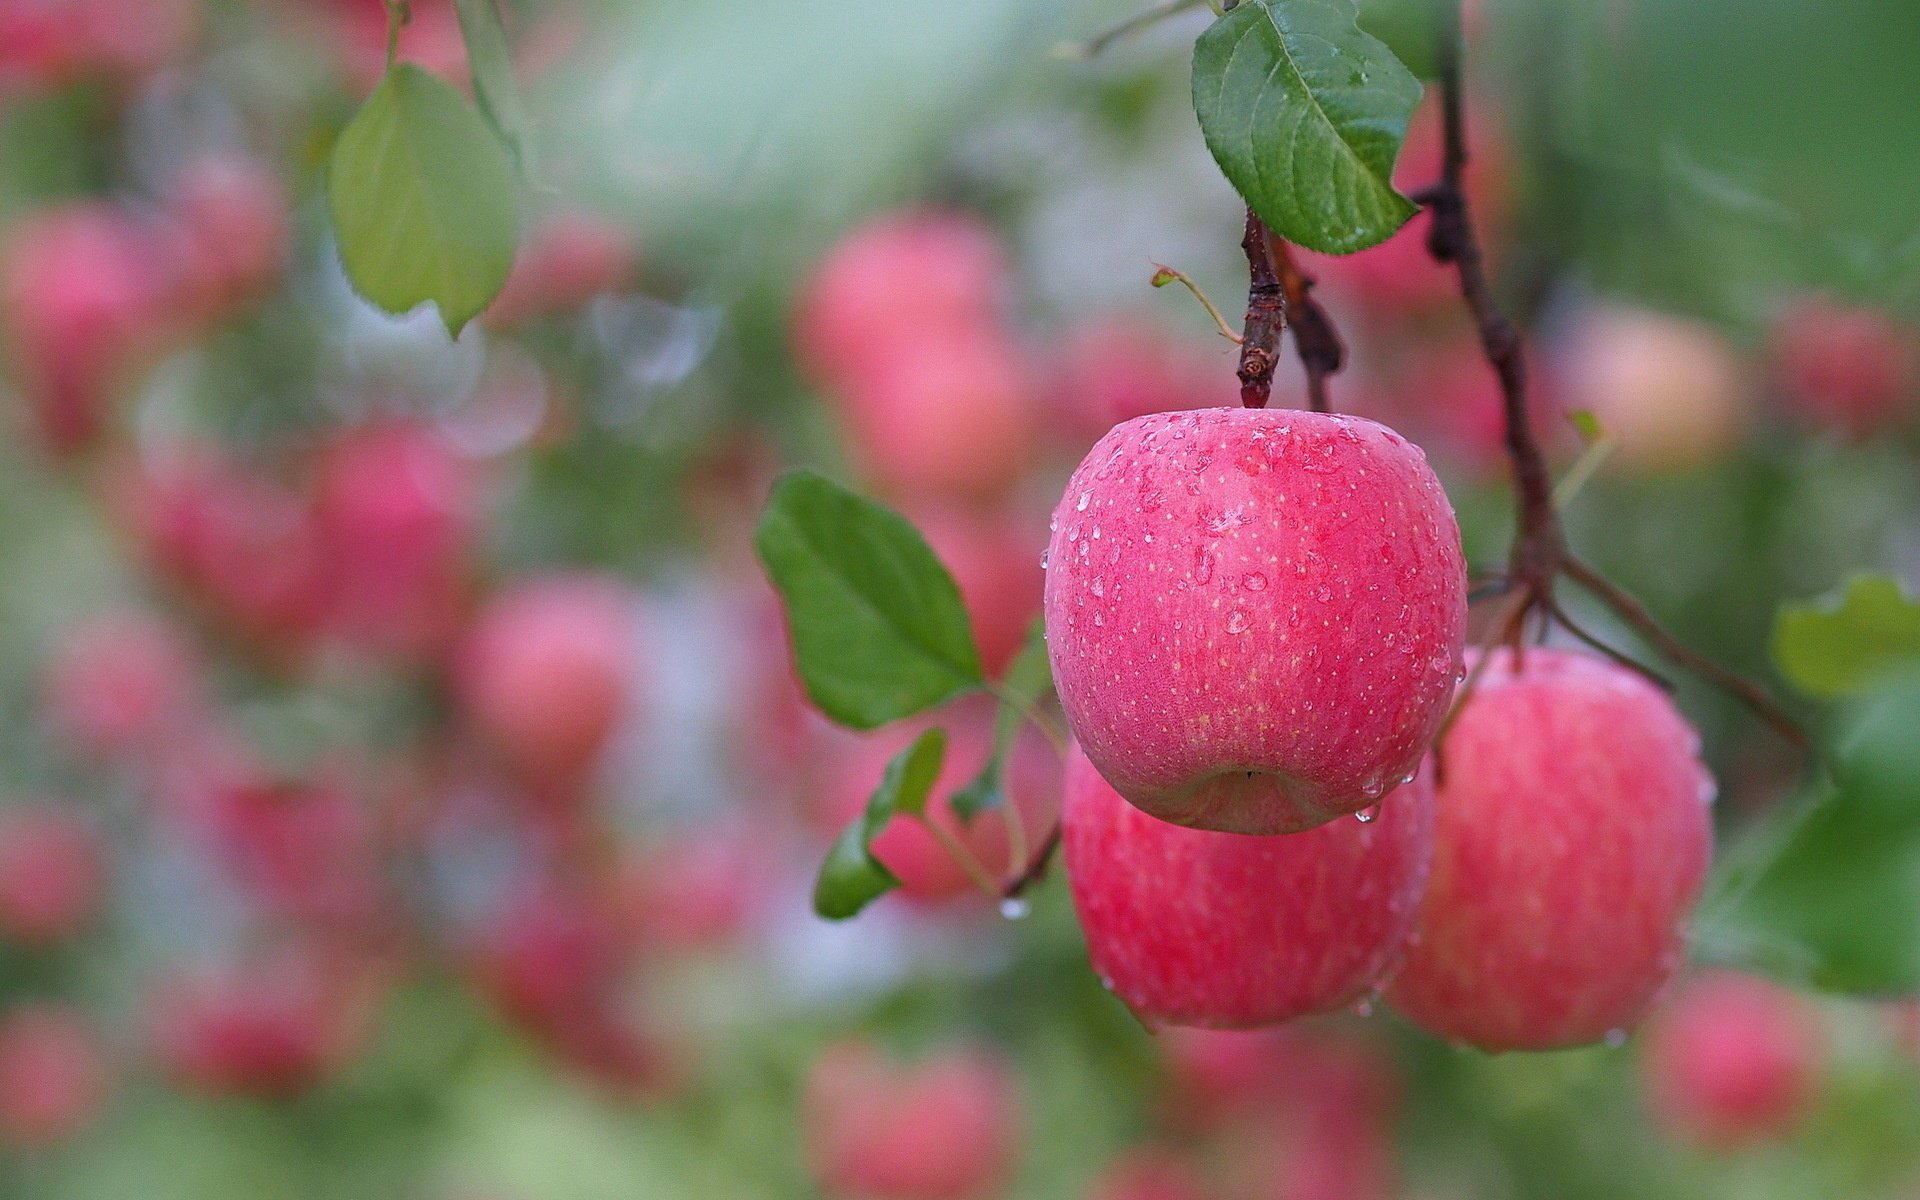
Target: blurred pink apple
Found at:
1850, 369
226, 232
53, 1077
1732, 1060
272, 1027
545, 673
52, 874
1147, 1175
1255, 617
1669, 392
1573, 837
944, 1128
119, 682
1231, 931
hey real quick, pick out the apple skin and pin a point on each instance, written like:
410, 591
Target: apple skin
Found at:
944, 1128
1732, 1060
53, 1076
1230, 931
1573, 837
1255, 616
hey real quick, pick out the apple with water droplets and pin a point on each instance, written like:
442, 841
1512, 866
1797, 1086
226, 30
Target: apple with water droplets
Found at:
1573, 837
1255, 616
1232, 931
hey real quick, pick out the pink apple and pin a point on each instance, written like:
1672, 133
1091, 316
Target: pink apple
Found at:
696, 890
396, 514
53, 1077
1669, 392
302, 849
1573, 837
272, 1027
853, 766
120, 681
226, 232
994, 555
52, 874
1850, 369
1731, 1060
1227, 930
944, 1128
1255, 617
550, 960
546, 673
45, 43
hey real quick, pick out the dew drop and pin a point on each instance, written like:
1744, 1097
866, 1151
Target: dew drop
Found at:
1237, 622
1366, 816
1044, 556
1202, 567
1013, 908
1081, 505
1255, 582
1098, 587
1616, 1038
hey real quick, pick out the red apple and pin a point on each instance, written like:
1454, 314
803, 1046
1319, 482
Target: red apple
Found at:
1849, 369
853, 766
1573, 837
1232, 931
546, 673
53, 1077
1255, 616
52, 874
1732, 1060
944, 1128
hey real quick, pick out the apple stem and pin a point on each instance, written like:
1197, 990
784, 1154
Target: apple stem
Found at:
1266, 316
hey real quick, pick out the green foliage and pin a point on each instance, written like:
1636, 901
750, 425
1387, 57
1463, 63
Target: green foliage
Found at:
851, 877
1840, 644
878, 629
494, 86
1305, 113
1029, 677
424, 200
1835, 899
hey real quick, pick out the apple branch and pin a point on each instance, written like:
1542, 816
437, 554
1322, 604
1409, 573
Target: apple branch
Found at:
1280, 297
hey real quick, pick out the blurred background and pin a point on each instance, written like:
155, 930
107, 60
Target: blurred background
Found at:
404, 792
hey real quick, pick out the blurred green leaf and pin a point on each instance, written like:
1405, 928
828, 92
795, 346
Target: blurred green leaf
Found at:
1028, 678
494, 85
1408, 28
423, 200
1305, 114
1836, 902
1846, 641
1586, 425
878, 628
851, 877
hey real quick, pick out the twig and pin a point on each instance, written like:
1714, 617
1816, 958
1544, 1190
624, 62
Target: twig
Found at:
1036, 868
1164, 275
1594, 642
1266, 315
1674, 650
1100, 41
1315, 340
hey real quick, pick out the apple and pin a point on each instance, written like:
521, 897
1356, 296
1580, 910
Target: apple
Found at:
545, 673
1573, 837
270, 1027
120, 681
549, 960
1233, 931
304, 849
944, 1128
1669, 392
1845, 368
852, 766
53, 1076
227, 233
1255, 616
52, 874
695, 890
1732, 1060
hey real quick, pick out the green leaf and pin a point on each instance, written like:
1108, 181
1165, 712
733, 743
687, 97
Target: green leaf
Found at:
1305, 114
1587, 426
494, 85
423, 200
1833, 900
1840, 644
1408, 27
878, 629
851, 877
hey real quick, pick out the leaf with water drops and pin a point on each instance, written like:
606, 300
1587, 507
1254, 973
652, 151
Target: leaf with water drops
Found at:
879, 632
1837, 645
851, 877
1305, 112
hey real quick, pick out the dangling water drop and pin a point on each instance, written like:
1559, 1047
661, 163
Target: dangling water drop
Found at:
1013, 908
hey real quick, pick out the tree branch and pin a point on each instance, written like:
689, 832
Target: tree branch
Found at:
1266, 315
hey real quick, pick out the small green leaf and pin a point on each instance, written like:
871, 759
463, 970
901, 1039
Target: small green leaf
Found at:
1028, 678
1840, 644
494, 85
851, 877
879, 632
423, 200
1833, 899
983, 793
1305, 113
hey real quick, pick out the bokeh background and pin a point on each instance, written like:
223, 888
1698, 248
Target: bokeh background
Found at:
403, 788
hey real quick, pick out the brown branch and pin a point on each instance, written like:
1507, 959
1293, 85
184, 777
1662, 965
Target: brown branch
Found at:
1266, 316
1674, 650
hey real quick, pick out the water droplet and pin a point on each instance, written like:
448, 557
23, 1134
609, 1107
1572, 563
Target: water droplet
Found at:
1098, 587
1616, 1038
1044, 556
1408, 778
1081, 505
1237, 622
1013, 908
1254, 582
1366, 816
1202, 566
